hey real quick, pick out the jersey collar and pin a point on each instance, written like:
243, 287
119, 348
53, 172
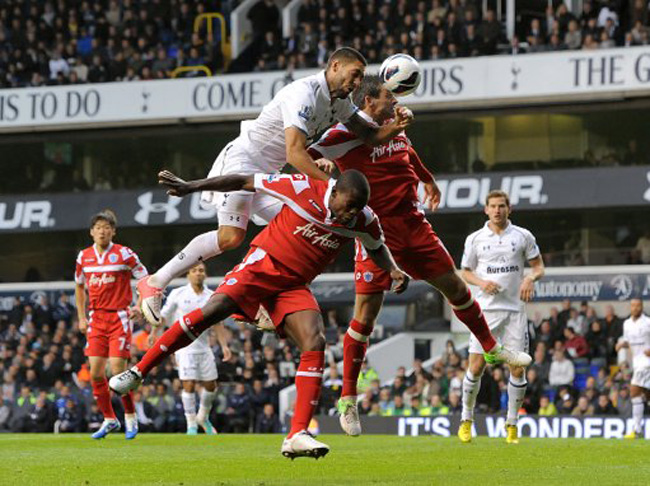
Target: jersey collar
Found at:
323, 85
100, 258
492, 233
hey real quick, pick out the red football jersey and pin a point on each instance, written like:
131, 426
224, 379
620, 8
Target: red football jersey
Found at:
108, 276
303, 236
393, 170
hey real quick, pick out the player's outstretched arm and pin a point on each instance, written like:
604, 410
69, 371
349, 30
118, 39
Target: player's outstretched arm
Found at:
384, 259
297, 155
179, 187
374, 135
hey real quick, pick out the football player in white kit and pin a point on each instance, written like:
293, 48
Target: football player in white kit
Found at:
195, 362
494, 260
636, 337
297, 116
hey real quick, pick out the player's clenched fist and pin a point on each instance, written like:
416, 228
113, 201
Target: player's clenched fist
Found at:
174, 184
400, 281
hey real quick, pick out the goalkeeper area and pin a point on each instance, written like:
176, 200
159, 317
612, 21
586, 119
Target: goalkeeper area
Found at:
376, 460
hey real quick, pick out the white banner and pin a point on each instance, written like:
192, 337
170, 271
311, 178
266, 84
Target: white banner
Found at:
453, 83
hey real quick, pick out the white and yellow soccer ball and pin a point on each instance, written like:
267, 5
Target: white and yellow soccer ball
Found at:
401, 74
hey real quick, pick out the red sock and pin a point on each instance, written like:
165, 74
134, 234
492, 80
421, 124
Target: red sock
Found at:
308, 380
175, 338
127, 402
470, 313
355, 344
102, 396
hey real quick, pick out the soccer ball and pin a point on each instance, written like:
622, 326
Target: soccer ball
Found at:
401, 74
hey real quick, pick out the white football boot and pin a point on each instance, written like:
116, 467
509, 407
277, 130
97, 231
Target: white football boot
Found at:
303, 444
126, 381
349, 416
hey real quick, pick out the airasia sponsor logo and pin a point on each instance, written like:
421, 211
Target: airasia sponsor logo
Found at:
327, 240
392, 146
98, 281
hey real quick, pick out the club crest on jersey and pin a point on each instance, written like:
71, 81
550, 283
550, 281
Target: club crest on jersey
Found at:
325, 240
306, 112
368, 276
390, 147
272, 177
231, 281
112, 258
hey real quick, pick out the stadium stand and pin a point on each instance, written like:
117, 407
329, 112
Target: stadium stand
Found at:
70, 42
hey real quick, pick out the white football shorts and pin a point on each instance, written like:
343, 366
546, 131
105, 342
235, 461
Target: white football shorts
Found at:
509, 328
237, 208
196, 366
641, 378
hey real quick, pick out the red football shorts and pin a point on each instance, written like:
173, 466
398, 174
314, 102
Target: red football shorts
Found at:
416, 249
260, 279
109, 334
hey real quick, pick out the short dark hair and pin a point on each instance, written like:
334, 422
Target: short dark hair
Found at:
105, 215
354, 182
370, 86
345, 55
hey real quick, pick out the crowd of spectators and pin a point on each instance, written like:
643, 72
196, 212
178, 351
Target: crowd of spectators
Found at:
68, 42
62, 42
576, 371
45, 381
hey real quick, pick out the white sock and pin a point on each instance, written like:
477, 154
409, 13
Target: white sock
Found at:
637, 413
471, 386
130, 419
189, 406
201, 248
516, 393
207, 399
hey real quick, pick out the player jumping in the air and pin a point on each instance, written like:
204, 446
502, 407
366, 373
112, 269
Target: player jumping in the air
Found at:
494, 260
636, 337
317, 219
105, 270
394, 171
195, 362
298, 114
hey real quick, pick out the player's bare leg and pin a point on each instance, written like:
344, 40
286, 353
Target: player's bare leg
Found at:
118, 365
181, 334
469, 312
102, 396
638, 397
355, 344
471, 387
201, 248
206, 400
306, 329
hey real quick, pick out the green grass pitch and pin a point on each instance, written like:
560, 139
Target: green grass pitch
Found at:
375, 460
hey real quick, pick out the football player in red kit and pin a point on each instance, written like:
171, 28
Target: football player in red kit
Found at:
317, 219
394, 171
105, 270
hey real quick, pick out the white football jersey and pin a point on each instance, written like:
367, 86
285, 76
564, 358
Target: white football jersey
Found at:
637, 335
501, 259
182, 301
304, 104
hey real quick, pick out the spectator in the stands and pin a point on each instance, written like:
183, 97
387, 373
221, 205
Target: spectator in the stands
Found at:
604, 406
561, 371
575, 344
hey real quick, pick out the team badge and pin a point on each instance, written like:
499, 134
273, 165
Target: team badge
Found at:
231, 281
112, 258
306, 112
368, 276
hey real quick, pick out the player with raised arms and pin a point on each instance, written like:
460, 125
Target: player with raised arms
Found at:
494, 260
636, 338
317, 219
195, 362
105, 270
297, 116
394, 171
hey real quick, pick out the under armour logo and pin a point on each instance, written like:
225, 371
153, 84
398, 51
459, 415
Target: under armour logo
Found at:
163, 348
147, 206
